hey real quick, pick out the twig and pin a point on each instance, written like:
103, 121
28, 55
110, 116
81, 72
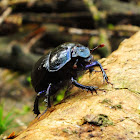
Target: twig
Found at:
5, 14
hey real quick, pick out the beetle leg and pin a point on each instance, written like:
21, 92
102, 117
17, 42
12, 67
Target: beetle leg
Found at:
89, 88
96, 63
47, 100
36, 109
47, 95
91, 70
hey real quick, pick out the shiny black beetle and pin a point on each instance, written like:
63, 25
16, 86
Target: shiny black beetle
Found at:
59, 67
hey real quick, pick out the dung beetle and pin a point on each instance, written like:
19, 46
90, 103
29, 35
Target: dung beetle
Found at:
59, 67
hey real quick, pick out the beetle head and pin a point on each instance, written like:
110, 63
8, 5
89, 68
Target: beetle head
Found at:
80, 62
83, 56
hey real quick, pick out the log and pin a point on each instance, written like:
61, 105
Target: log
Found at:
113, 113
119, 12
17, 60
116, 7
46, 6
79, 19
77, 15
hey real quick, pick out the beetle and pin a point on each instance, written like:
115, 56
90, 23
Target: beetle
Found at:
59, 67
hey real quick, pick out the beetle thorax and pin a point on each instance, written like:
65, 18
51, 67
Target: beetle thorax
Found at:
80, 51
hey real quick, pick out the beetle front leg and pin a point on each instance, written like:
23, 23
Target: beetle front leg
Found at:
89, 88
103, 71
96, 63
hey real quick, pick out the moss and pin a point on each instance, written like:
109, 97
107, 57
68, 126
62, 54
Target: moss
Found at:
111, 26
117, 106
69, 131
74, 132
65, 130
109, 102
99, 120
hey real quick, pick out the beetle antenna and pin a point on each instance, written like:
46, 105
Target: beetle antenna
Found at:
99, 46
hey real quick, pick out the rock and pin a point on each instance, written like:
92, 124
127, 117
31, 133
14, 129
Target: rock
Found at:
120, 103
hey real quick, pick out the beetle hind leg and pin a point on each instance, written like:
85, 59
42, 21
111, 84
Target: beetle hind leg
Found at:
36, 103
36, 109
